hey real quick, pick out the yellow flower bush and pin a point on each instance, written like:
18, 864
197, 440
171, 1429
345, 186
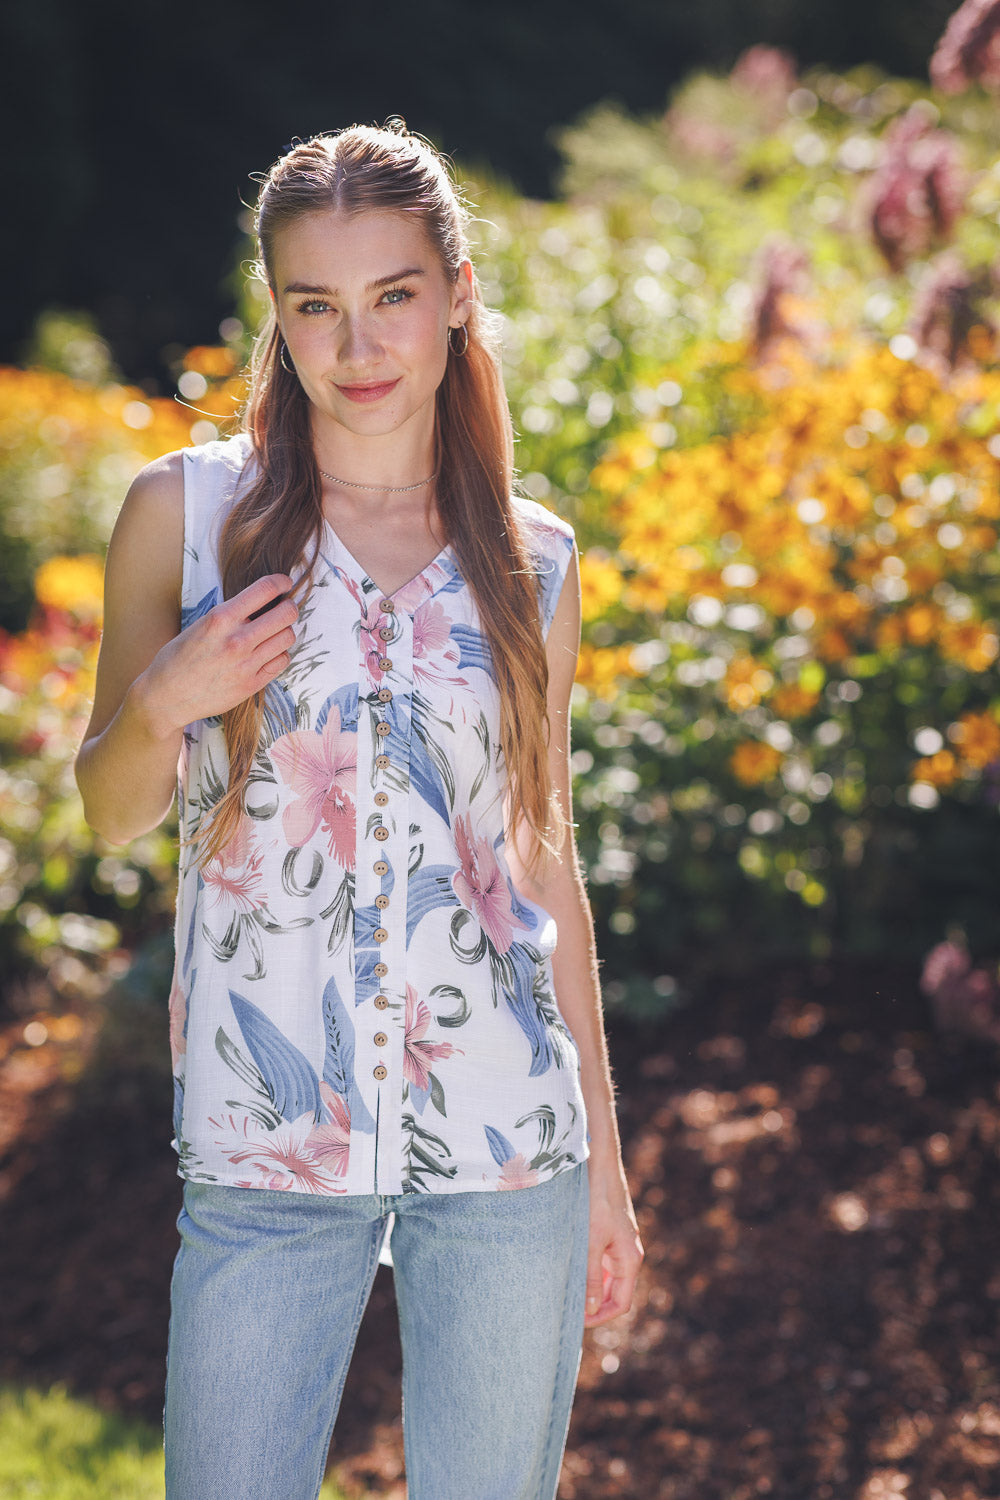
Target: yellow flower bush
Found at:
72, 584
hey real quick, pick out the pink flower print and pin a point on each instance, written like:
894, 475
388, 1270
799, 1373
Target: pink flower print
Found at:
431, 629
330, 1142
178, 1020
233, 879
413, 593
322, 771
481, 886
281, 1159
373, 648
435, 655
418, 1054
516, 1173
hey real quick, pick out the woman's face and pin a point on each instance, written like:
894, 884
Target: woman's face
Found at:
364, 305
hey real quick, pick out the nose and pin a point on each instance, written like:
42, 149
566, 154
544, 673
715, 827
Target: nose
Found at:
359, 345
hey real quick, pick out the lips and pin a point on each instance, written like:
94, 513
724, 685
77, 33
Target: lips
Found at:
364, 394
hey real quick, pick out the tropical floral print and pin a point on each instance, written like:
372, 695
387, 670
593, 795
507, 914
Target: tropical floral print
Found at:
322, 772
362, 999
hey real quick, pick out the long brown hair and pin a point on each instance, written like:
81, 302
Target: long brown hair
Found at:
276, 524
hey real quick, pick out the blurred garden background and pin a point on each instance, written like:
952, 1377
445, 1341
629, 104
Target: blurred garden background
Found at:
748, 257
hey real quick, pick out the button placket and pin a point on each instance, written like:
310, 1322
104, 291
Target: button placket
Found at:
383, 854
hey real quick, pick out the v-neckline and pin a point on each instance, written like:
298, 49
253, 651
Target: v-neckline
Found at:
361, 572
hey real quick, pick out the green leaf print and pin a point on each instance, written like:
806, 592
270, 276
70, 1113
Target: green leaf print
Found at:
341, 909
249, 1074
473, 955
437, 1094
457, 1017
291, 882
425, 1155
482, 733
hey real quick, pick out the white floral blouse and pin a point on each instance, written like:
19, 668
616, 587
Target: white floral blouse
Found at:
362, 1000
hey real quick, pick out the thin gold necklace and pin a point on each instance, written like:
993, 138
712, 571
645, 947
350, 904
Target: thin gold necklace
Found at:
389, 489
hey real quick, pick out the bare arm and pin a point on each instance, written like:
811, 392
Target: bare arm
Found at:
615, 1248
152, 677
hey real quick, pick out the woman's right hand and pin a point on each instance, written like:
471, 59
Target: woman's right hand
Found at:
224, 657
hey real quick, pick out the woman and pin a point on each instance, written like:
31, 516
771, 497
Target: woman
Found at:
360, 648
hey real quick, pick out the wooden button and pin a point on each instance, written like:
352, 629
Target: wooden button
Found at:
382, 761
381, 833
386, 633
381, 798
380, 971
380, 1038
382, 729
380, 1072
385, 664
380, 867
381, 1002
384, 695
381, 902
380, 935
386, 606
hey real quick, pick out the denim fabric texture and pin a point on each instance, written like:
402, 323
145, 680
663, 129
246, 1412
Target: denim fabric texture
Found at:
268, 1292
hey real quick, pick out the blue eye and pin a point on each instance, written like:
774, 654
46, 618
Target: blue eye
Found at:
311, 308
397, 295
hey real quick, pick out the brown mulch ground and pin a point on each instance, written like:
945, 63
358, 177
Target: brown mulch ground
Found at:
818, 1180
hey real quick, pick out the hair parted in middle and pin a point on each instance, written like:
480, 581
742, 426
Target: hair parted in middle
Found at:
276, 525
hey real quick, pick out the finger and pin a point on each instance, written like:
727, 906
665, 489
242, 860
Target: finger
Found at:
272, 669
274, 646
595, 1281
265, 631
261, 595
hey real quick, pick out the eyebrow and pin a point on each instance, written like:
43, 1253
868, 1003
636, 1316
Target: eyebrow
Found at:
299, 288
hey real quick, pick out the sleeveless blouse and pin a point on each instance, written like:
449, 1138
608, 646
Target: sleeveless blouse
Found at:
362, 999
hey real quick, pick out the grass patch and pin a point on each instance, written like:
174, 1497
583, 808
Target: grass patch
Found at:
55, 1447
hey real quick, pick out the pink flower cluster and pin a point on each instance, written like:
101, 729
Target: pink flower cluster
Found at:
918, 191
782, 273
963, 999
969, 50
768, 75
948, 304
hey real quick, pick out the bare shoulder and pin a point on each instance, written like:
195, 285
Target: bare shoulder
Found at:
156, 494
148, 540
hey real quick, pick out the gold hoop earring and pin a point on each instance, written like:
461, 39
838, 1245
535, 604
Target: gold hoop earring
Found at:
290, 368
458, 349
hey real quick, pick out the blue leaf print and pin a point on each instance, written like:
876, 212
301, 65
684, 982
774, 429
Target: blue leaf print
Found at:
338, 1066
455, 581
524, 914
189, 945
501, 1149
192, 612
346, 699
474, 650
429, 888
419, 1097
280, 716
424, 777
550, 581
366, 950
521, 999
289, 1077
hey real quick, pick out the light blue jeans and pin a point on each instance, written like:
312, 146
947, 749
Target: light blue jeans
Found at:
267, 1295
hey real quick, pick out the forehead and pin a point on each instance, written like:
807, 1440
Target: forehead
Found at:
341, 250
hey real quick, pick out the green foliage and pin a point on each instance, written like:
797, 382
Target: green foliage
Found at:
55, 1447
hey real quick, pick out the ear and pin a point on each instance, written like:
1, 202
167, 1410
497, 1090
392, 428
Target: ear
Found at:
462, 294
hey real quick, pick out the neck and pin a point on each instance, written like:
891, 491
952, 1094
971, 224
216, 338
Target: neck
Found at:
383, 462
